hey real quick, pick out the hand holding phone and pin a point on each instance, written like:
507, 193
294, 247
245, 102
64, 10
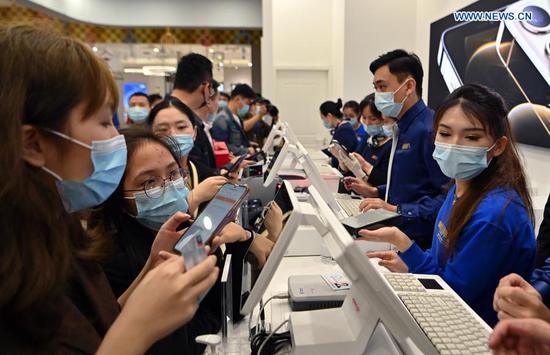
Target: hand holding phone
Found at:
216, 215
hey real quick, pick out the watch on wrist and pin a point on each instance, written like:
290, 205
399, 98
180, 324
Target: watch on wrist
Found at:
398, 209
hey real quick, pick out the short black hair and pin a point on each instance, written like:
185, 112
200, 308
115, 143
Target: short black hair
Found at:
243, 90
401, 64
193, 70
273, 110
331, 107
353, 105
139, 93
368, 101
154, 97
226, 95
171, 101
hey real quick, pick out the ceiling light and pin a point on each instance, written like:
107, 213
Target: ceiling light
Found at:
236, 68
250, 64
133, 70
221, 64
158, 70
156, 50
94, 48
211, 50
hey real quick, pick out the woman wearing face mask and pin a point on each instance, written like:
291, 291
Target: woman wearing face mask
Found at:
484, 229
61, 154
333, 119
373, 153
352, 114
172, 118
152, 189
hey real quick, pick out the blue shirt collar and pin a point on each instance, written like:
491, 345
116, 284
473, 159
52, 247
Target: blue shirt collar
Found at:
410, 115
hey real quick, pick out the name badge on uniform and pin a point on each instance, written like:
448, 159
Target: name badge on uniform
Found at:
406, 146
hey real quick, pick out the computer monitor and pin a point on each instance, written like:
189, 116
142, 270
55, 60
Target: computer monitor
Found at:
276, 163
383, 303
287, 201
301, 155
276, 131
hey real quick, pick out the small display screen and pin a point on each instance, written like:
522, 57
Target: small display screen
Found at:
430, 284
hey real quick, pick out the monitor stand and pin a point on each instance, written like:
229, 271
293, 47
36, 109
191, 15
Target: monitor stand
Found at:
354, 328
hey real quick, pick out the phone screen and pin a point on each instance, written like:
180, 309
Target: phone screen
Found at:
283, 201
212, 218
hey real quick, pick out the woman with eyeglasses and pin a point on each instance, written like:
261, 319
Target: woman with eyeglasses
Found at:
152, 189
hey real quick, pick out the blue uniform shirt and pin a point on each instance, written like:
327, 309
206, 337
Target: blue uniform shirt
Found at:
345, 135
417, 183
361, 133
499, 239
541, 281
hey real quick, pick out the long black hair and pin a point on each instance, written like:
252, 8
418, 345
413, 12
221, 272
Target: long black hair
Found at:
171, 101
334, 108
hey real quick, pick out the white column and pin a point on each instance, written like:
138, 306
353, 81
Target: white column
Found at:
302, 60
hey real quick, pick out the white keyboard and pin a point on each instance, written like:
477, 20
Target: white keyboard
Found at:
349, 205
450, 326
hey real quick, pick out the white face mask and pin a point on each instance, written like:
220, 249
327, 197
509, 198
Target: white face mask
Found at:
385, 103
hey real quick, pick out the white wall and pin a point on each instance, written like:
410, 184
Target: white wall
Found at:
373, 28
302, 62
236, 76
159, 13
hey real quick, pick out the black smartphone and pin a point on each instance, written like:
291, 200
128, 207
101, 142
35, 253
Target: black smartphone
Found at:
235, 166
218, 212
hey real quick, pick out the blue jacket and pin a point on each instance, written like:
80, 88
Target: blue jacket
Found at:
361, 133
499, 239
417, 183
227, 130
541, 281
345, 135
379, 157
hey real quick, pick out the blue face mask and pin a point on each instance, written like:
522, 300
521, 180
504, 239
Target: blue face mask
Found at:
461, 162
153, 212
222, 104
109, 161
387, 131
374, 130
385, 103
138, 114
268, 120
243, 110
352, 121
211, 117
327, 124
185, 143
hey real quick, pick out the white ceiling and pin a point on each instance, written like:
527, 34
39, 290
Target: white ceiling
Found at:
157, 13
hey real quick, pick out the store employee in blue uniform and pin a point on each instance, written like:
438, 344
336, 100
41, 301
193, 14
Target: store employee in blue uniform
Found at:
333, 119
484, 229
415, 180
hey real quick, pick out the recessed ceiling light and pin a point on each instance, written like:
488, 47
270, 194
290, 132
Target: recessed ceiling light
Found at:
221, 64
94, 48
250, 64
211, 50
156, 50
